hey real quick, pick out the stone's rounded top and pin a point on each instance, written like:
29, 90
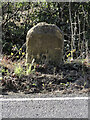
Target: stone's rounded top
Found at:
45, 28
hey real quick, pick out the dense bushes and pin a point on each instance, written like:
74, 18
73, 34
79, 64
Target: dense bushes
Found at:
18, 18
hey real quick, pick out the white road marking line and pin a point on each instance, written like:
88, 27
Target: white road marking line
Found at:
28, 99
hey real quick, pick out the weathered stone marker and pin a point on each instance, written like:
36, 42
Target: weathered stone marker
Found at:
44, 40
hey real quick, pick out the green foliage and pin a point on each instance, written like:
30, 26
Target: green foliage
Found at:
34, 84
30, 68
3, 70
19, 17
19, 70
17, 53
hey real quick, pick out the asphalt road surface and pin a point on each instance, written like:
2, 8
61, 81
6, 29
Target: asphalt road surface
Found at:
44, 107
50, 105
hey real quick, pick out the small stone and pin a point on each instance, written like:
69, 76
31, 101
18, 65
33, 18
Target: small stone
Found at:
44, 42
